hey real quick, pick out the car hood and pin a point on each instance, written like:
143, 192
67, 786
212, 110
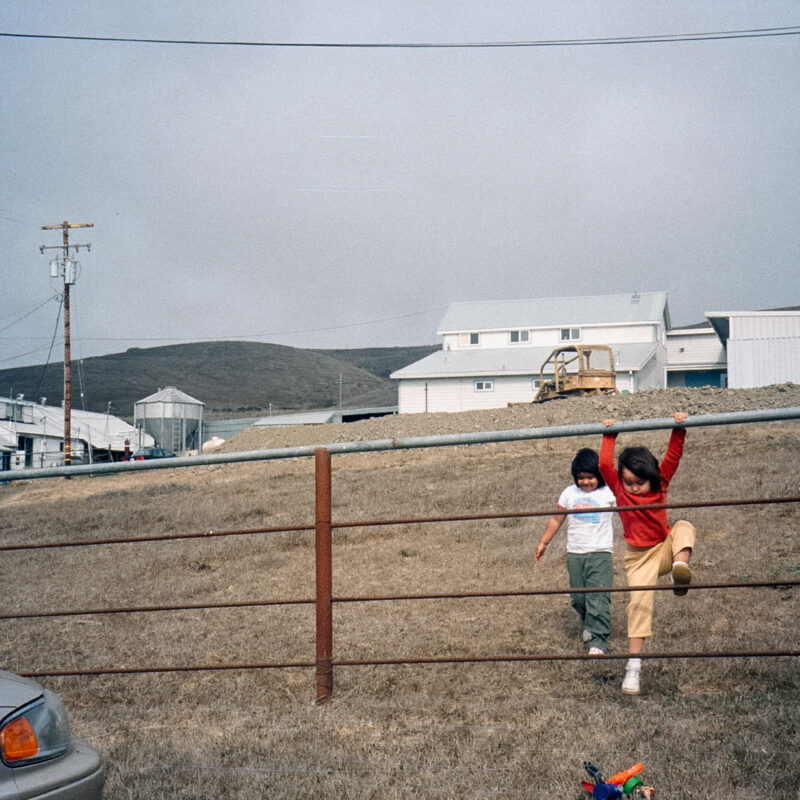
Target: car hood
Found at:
16, 691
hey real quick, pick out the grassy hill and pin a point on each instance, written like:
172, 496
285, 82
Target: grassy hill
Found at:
231, 378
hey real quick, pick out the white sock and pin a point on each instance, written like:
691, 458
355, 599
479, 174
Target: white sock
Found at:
635, 663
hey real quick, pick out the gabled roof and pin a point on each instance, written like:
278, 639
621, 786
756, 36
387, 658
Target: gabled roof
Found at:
489, 315
511, 361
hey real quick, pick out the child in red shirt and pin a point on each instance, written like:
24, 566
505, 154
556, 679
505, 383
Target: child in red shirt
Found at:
653, 547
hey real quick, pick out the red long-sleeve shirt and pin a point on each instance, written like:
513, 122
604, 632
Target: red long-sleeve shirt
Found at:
647, 527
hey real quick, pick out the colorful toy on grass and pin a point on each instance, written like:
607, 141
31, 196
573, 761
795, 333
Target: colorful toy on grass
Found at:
625, 784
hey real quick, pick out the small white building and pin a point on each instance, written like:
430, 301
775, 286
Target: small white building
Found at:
492, 351
696, 357
763, 347
32, 436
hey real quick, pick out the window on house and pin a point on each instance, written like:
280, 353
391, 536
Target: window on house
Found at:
537, 383
519, 337
470, 338
484, 386
570, 334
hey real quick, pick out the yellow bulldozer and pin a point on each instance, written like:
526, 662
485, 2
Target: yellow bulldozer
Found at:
568, 371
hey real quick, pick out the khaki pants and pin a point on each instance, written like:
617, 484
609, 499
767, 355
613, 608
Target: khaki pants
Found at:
644, 565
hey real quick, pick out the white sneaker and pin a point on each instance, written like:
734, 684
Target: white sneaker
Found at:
630, 684
586, 636
596, 651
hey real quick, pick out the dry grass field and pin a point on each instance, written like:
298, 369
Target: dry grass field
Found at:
704, 728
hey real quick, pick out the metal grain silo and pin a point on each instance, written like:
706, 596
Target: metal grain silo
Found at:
172, 418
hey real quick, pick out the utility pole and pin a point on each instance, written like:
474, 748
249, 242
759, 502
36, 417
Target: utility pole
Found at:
68, 269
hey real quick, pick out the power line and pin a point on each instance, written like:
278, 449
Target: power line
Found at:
50, 351
28, 313
753, 33
229, 337
22, 355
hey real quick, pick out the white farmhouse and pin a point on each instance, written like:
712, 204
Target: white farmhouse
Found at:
492, 351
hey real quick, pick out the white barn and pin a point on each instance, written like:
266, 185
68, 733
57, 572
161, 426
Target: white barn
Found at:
492, 351
763, 347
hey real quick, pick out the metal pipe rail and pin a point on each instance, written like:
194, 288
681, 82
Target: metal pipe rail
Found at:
374, 523
413, 442
300, 601
384, 662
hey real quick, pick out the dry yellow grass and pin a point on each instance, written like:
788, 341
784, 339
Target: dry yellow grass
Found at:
703, 728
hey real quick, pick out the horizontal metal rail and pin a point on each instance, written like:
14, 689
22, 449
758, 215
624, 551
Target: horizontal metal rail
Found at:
549, 592
561, 657
383, 662
168, 537
89, 612
413, 442
566, 511
77, 673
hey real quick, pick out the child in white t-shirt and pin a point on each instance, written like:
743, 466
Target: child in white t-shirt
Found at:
589, 547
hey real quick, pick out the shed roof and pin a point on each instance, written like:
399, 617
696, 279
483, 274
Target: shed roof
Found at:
300, 418
485, 315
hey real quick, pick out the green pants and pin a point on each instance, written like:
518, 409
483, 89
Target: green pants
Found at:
592, 571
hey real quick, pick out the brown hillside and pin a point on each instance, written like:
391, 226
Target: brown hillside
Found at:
231, 378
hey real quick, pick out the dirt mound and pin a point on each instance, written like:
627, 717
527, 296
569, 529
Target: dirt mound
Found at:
571, 411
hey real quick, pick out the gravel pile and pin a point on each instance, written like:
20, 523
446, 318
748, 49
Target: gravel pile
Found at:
571, 411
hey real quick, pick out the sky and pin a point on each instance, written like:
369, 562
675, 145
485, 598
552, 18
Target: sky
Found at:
343, 197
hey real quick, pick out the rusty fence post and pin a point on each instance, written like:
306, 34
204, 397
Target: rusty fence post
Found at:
324, 568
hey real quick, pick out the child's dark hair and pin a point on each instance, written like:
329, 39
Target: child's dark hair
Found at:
643, 464
586, 460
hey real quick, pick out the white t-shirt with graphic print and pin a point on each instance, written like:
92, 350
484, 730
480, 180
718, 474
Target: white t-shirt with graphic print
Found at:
588, 533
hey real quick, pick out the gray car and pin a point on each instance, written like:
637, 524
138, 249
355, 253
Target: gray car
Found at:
38, 756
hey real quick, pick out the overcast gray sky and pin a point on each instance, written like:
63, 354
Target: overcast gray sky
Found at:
343, 197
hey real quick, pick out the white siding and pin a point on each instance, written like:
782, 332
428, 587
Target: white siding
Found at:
697, 350
622, 334
450, 341
653, 374
496, 339
458, 394
765, 326
761, 362
597, 334
551, 337
626, 382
